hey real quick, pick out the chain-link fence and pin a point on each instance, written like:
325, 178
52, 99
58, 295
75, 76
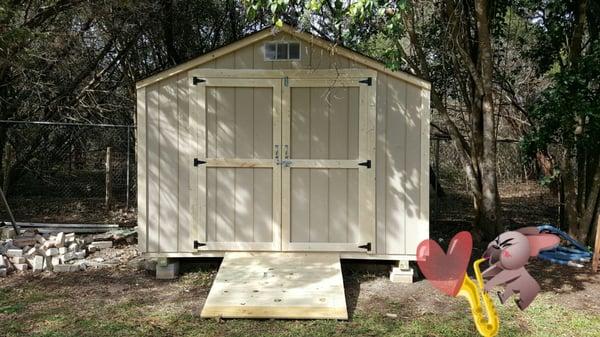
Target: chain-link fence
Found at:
67, 172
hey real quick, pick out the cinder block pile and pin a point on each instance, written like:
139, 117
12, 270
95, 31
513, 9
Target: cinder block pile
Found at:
60, 252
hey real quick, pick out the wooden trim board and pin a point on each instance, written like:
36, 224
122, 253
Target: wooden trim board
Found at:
278, 285
343, 255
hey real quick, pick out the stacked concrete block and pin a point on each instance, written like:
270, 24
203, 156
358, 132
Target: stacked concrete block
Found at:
63, 252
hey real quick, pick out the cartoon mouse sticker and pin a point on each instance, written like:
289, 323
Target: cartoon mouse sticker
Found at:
507, 255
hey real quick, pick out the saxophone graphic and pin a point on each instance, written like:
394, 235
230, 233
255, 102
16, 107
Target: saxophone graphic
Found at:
486, 326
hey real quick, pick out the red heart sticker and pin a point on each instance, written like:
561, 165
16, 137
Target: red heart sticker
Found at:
446, 271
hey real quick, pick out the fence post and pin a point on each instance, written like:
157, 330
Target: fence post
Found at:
127, 179
108, 180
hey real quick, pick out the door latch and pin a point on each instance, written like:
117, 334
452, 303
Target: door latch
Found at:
198, 244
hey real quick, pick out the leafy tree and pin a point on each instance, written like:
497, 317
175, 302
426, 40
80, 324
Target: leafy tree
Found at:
567, 116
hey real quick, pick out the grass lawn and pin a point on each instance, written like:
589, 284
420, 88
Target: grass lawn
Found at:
124, 302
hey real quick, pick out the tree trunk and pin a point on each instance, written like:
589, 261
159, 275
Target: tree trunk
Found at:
570, 192
491, 198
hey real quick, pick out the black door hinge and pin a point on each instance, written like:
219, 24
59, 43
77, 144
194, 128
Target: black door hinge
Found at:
196, 80
368, 81
198, 162
367, 247
198, 244
366, 163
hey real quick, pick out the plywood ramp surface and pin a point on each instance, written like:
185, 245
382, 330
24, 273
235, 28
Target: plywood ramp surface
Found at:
278, 285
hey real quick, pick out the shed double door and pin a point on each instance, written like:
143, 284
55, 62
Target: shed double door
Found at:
282, 163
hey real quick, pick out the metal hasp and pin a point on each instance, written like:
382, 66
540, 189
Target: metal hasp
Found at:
198, 244
366, 246
198, 162
368, 81
196, 80
366, 163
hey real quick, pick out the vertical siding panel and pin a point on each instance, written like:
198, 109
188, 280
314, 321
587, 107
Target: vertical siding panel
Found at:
424, 113
168, 220
225, 176
396, 168
244, 177
185, 159
381, 159
259, 56
208, 65
319, 179
142, 170
353, 127
319, 58
226, 61
153, 149
338, 178
413, 167
211, 173
263, 178
244, 58
300, 178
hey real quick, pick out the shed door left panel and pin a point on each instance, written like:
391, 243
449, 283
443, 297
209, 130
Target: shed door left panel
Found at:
236, 183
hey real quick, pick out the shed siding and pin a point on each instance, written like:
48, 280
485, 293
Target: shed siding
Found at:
164, 156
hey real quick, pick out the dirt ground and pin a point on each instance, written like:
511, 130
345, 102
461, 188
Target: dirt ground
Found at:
124, 295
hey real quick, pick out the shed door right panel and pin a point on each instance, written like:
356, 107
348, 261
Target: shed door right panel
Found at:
326, 127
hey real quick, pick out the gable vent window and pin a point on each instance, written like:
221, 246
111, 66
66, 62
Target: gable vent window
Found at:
280, 51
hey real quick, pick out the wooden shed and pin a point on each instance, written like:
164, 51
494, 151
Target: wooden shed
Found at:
283, 142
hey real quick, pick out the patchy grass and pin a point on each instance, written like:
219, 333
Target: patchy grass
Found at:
129, 303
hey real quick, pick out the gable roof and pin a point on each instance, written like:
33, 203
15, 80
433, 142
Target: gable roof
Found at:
268, 32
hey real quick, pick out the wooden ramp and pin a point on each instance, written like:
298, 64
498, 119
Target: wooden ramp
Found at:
278, 285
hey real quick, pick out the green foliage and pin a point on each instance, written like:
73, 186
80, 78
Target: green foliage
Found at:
568, 112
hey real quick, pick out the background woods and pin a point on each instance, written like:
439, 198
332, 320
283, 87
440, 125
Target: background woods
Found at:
502, 72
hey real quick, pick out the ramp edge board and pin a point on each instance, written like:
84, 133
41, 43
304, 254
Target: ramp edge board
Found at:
278, 285
281, 313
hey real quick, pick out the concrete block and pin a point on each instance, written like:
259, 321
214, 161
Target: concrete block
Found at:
14, 252
37, 263
31, 251
79, 255
7, 233
59, 241
55, 261
3, 263
398, 275
21, 266
92, 249
169, 271
18, 260
73, 247
67, 257
40, 239
62, 250
66, 268
70, 238
102, 244
52, 252
3, 272
24, 241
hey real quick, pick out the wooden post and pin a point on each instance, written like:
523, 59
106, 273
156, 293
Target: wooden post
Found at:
596, 257
108, 180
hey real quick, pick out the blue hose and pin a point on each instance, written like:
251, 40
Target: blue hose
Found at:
564, 255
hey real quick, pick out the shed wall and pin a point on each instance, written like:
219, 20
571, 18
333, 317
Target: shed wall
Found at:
164, 156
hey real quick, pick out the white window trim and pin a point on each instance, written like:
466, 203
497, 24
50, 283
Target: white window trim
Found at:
282, 60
